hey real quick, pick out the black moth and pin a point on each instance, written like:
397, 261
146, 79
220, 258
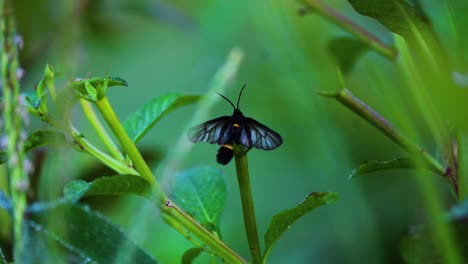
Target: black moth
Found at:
235, 129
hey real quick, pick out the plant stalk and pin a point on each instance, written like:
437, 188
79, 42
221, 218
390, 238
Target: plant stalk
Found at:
13, 115
350, 26
242, 169
166, 206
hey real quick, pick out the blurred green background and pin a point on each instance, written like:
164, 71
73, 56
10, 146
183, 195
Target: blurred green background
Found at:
161, 46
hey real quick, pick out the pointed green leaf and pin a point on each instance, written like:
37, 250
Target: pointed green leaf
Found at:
88, 88
190, 255
91, 92
462, 146
39, 139
88, 234
151, 112
374, 165
398, 16
285, 219
346, 51
113, 185
201, 192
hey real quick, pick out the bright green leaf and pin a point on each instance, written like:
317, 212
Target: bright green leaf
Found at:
151, 112
285, 219
201, 192
190, 255
39, 139
91, 92
113, 185
88, 234
88, 88
374, 165
462, 146
398, 16
346, 51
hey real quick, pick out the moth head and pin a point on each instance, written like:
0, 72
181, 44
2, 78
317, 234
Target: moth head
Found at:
238, 98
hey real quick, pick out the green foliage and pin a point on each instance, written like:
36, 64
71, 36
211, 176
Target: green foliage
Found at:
95, 89
113, 185
398, 16
201, 192
37, 139
346, 51
190, 255
375, 165
151, 112
421, 246
83, 232
5, 203
285, 219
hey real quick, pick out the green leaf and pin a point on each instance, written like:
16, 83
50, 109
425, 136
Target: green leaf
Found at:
88, 234
285, 219
346, 51
114, 185
398, 16
39, 139
93, 88
374, 165
201, 192
190, 255
46, 81
2, 257
151, 112
462, 146
91, 92
421, 247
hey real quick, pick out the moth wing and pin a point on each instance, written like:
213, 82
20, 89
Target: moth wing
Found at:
255, 134
213, 131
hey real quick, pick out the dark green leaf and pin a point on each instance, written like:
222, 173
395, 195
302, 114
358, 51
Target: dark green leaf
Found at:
374, 165
462, 146
151, 112
190, 255
346, 51
285, 219
39, 139
5, 203
88, 234
2, 257
114, 185
421, 247
398, 16
201, 192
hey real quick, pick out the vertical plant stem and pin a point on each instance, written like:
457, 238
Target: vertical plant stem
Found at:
250, 223
100, 130
12, 115
350, 26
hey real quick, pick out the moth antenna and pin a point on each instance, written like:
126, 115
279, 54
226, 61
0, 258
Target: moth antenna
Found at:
238, 98
226, 100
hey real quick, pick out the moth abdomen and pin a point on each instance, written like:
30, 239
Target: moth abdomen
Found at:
225, 154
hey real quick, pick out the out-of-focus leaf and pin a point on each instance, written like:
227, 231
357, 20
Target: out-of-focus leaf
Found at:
190, 255
5, 203
201, 192
285, 219
2, 257
114, 185
396, 15
420, 246
462, 147
151, 112
374, 165
346, 51
39, 139
89, 234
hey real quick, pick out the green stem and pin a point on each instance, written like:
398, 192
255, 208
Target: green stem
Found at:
242, 169
112, 163
166, 206
350, 26
357, 106
100, 130
18, 178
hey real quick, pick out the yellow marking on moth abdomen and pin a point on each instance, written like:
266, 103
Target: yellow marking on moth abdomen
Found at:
229, 146
236, 125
